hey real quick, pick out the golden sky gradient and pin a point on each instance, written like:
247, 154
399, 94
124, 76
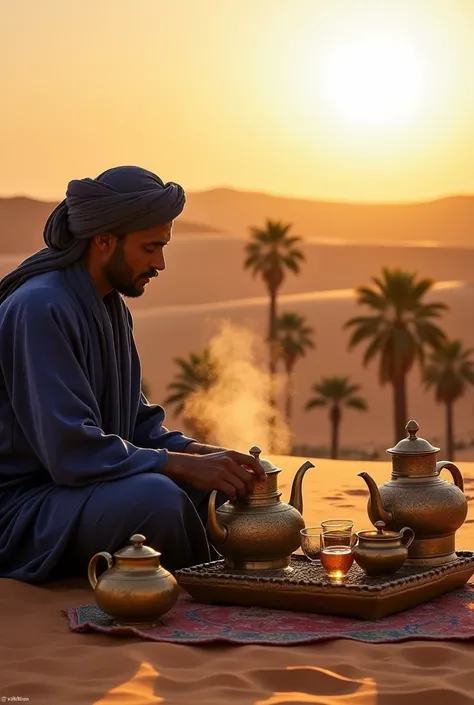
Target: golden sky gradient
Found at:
329, 99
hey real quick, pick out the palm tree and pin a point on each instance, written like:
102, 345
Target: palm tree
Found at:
449, 370
196, 373
399, 331
336, 393
294, 338
271, 253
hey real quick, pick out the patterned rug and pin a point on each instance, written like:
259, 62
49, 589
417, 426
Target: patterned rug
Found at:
450, 617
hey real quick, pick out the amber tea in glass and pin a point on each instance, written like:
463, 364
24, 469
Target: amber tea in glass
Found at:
337, 553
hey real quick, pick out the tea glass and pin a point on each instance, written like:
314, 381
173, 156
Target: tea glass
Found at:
337, 525
337, 554
311, 542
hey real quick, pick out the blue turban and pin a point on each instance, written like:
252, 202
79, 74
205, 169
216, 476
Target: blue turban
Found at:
121, 200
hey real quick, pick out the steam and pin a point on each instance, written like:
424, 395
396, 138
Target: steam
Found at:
237, 408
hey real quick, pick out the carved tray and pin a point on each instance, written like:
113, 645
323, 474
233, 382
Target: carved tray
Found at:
304, 587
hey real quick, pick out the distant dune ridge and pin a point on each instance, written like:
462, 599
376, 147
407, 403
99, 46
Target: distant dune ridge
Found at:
444, 221
205, 285
22, 221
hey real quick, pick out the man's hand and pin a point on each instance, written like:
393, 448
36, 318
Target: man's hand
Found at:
227, 471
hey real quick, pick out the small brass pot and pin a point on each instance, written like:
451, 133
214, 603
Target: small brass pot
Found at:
135, 589
382, 552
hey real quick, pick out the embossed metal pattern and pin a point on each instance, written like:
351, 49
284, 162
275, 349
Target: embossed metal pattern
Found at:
416, 496
259, 531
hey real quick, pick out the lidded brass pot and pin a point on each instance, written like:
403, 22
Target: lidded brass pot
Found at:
382, 552
259, 531
417, 497
137, 589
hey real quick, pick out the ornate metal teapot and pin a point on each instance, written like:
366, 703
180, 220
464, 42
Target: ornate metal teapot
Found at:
382, 552
417, 497
136, 589
259, 531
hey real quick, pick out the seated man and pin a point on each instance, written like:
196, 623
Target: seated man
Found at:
85, 460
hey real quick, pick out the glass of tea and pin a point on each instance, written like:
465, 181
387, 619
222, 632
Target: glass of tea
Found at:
311, 542
338, 525
337, 554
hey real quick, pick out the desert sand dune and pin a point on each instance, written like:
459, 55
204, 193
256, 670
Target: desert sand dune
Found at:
209, 268
204, 284
22, 221
175, 331
446, 220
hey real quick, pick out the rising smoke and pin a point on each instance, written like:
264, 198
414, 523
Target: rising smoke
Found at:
237, 407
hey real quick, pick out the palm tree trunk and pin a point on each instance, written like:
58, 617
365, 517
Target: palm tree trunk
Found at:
449, 431
400, 407
335, 414
272, 364
272, 333
289, 396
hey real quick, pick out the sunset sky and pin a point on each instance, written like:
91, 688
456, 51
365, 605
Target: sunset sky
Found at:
328, 99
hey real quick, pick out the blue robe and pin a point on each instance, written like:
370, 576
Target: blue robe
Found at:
81, 450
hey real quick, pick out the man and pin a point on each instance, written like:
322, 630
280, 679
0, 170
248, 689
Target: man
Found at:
85, 460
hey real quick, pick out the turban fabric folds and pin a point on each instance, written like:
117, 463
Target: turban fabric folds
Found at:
121, 200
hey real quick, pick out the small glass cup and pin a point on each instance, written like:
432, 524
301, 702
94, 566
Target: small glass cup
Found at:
311, 542
337, 554
337, 525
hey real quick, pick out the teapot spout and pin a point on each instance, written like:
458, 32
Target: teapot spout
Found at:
377, 511
296, 497
217, 532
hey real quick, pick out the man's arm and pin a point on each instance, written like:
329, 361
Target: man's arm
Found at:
151, 433
52, 399
202, 448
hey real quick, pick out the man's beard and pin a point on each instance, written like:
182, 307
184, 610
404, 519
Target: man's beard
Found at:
120, 277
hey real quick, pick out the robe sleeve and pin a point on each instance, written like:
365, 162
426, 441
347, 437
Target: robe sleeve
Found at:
52, 400
151, 433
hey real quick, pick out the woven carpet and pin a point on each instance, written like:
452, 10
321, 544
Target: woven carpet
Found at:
449, 617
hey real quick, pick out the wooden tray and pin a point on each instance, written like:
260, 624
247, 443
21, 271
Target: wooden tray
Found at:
304, 587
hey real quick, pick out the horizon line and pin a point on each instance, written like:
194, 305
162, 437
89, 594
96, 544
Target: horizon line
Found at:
270, 194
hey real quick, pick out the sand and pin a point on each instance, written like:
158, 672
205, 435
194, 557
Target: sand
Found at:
45, 662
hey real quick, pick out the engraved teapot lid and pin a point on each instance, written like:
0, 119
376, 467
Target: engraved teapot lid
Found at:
380, 534
137, 550
266, 464
411, 445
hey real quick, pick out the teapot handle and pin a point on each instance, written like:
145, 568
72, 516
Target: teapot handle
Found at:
454, 470
411, 537
91, 571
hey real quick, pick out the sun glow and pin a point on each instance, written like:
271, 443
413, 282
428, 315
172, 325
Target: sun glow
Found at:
374, 81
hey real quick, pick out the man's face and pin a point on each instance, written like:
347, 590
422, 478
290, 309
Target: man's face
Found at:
136, 259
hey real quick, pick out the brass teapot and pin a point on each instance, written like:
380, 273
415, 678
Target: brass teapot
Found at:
416, 496
259, 531
382, 552
137, 589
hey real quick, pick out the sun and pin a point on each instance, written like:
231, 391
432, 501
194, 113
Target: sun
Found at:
373, 81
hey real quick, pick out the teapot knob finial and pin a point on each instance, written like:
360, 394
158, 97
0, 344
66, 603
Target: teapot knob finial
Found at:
138, 540
379, 525
255, 451
412, 427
